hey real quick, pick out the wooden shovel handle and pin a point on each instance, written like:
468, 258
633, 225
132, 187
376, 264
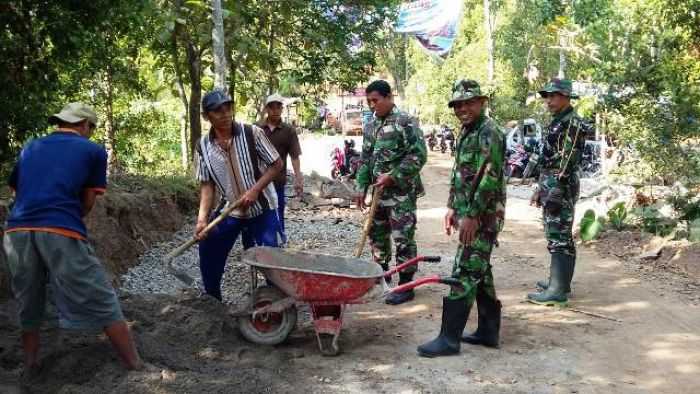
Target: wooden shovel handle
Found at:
368, 224
182, 248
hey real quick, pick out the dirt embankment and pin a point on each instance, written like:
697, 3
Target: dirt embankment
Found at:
120, 227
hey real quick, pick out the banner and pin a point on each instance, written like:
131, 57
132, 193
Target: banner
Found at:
433, 23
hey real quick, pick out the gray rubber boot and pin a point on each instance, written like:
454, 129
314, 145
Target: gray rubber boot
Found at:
542, 285
454, 319
489, 327
404, 296
561, 273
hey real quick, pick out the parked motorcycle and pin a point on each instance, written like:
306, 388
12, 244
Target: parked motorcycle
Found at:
431, 139
590, 159
445, 136
517, 162
345, 162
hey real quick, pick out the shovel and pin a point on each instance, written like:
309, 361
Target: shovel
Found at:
168, 259
368, 224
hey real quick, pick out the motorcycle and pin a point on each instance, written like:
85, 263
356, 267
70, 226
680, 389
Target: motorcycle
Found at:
445, 136
345, 162
431, 139
516, 163
590, 159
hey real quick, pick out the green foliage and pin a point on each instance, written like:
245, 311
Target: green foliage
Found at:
640, 57
591, 227
316, 45
653, 222
617, 215
43, 45
149, 140
694, 234
687, 205
307, 113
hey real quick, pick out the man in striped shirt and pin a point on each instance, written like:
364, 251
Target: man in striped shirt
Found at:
240, 162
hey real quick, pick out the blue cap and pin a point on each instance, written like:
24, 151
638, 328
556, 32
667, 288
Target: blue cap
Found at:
213, 100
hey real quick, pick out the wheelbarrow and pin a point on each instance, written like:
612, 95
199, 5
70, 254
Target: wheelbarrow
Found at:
326, 284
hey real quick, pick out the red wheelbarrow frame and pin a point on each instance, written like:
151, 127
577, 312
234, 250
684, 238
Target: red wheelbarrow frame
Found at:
328, 314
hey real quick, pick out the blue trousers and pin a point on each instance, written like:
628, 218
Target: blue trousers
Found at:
214, 249
248, 240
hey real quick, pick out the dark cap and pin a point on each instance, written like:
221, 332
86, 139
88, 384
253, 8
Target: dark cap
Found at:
214, 99
558, 85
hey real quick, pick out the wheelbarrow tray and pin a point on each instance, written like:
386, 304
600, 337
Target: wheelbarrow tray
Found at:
315, 277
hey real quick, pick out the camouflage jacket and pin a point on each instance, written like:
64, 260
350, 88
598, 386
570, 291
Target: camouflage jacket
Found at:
395, 146
473, 144
561, 150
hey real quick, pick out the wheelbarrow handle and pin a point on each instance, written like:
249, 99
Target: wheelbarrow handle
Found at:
446, 280
413, 261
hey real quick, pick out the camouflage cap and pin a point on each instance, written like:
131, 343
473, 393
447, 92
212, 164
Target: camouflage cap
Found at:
463, 90
560, 85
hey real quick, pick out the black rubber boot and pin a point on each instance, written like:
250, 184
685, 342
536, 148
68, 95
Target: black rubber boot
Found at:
454, 319
385, 267
404, 296
489, 327
560, 275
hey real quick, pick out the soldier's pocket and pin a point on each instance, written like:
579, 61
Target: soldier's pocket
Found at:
386, 147
469, 159
554, 201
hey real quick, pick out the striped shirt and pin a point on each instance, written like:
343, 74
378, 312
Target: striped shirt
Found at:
233, 171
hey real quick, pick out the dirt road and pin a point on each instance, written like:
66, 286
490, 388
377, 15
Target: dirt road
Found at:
654, 347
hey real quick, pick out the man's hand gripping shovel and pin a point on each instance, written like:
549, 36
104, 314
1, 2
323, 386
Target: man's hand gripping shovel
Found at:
370, 218
385, 289
168, 259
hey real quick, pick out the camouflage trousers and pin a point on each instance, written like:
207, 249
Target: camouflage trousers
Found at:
394, 218
558, 228
473, 268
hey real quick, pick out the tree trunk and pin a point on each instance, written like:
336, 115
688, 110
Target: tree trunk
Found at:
488, 23
398, 83
194, 66
563, 62
273, 81
183, 98
233, 65
218, 46
110, 144
232, 84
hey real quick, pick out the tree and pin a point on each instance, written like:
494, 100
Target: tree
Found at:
316, 44
218, 45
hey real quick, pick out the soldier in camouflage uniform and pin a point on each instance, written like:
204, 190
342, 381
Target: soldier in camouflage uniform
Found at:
558, 189
393, 153
476, 209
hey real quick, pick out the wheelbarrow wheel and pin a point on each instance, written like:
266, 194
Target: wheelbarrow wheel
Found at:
267, 328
